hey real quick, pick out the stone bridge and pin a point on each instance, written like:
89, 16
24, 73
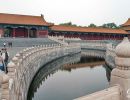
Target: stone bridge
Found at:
26, 64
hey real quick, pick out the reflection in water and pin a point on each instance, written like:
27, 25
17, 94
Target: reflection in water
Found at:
85, 62
68, 78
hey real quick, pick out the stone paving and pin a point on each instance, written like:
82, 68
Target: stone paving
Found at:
19, 44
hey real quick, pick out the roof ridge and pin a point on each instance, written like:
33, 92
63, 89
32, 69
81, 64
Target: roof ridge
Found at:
89, 27
20, 15
7, 18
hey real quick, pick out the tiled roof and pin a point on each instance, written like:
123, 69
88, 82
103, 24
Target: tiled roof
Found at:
87, 29
127, 23
127, 28
22, 19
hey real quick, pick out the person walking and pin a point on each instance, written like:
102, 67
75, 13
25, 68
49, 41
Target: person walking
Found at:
2, 67
4, 45
5, 56
10, 44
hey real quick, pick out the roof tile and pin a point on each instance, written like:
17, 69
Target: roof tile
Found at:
22, 19
87, 29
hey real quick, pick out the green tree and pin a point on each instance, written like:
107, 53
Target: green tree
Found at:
110, 25
68, 24
92, 25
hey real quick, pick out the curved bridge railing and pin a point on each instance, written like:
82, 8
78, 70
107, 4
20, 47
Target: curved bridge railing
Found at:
25, 65
110, 55
100, 49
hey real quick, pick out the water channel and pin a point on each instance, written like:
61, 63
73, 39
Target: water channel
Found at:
69, 77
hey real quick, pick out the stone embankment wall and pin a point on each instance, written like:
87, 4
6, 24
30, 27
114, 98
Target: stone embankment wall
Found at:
25, 65
51, 68
100, 49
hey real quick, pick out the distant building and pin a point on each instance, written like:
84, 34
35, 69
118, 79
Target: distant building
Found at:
26, 26
12, 25
87, 33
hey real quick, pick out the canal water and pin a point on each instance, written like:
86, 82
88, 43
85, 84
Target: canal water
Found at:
69, 77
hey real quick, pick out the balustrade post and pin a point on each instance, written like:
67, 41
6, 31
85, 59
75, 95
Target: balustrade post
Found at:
11, 69
5, 95
121, 74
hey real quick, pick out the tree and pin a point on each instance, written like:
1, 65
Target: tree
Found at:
92, 25
110, 25
68, 24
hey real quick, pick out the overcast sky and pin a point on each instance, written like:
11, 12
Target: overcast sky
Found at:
80, 12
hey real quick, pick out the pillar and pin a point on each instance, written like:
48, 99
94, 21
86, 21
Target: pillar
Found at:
1, 32
28, 31
13, 32
121, 74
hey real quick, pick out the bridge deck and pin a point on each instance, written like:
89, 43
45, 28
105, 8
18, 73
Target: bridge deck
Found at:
19, 44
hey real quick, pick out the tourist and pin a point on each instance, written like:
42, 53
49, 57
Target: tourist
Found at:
5, 56
4, 44
10, 44
1, 63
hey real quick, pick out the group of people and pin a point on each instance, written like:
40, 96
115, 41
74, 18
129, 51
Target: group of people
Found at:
9, 44
4, 56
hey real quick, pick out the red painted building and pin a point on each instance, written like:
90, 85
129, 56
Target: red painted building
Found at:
86, 33
12, 25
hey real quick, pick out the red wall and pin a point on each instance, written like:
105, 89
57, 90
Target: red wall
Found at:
42, 33
21, 32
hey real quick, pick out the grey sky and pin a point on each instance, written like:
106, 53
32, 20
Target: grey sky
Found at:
81, 12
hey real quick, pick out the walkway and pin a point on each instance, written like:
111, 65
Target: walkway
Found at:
21, 43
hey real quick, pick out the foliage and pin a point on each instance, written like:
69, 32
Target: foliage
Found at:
92, 25
106, 25
110, 25
68, 24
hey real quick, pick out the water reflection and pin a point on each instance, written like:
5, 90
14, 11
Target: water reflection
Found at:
84, 62
68, 78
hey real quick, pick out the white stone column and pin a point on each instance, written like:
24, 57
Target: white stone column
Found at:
121, 74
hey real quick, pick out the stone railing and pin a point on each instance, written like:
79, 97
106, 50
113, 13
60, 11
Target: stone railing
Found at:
59, 39
26, 64
93, 53
4, 86
94, 45
112, 93
73, 39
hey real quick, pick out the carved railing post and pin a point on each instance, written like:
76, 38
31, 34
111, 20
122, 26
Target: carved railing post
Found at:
121, 74
5, 87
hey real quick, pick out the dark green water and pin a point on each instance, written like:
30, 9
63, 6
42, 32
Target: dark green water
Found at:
57, 82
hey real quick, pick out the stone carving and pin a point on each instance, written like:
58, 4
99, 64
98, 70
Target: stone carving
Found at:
128, 93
